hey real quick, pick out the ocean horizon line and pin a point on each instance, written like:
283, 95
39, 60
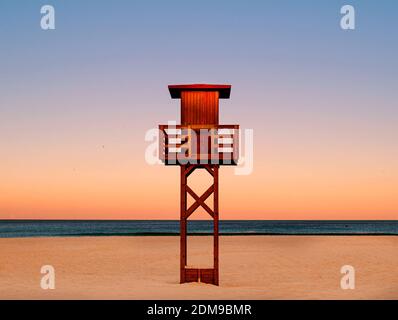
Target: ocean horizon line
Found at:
80, 228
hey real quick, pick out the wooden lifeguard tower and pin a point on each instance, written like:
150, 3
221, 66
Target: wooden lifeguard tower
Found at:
199, 142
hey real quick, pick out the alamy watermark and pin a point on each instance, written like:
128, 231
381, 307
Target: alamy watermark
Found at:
348, 280
47, 21
179, 145
47, 281
347, 22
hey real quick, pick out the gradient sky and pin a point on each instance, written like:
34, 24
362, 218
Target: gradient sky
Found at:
75, 104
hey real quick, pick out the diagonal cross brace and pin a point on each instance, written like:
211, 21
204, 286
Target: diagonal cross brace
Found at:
200, 201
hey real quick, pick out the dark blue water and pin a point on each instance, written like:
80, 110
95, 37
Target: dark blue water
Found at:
58, 228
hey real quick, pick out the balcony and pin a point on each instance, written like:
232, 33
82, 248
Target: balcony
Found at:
199, 144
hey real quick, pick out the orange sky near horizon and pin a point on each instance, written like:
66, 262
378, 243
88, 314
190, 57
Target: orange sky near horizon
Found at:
306, 165
113, 181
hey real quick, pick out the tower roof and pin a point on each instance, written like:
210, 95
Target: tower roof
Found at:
223, 89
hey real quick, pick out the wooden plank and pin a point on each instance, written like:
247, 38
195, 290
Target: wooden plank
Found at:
191, 274
207, 276
188, 170
209, 170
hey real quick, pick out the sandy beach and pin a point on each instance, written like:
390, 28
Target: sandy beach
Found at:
251, 267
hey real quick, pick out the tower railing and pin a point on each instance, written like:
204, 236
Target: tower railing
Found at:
199, 144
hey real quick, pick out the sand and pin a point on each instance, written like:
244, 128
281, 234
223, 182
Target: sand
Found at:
251, 267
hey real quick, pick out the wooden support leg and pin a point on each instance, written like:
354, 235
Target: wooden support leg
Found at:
183, 225
215, 207
194, 274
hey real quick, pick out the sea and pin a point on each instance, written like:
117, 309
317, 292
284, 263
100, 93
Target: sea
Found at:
80, 228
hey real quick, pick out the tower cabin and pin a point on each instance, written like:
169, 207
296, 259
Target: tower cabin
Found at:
199, 142
199, 139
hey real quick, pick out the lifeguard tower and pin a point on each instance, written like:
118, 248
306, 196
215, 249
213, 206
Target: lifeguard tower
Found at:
199, 142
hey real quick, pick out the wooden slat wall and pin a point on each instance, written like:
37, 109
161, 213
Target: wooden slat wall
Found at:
199, 107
